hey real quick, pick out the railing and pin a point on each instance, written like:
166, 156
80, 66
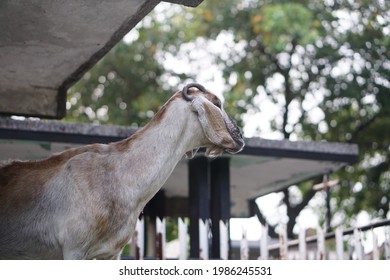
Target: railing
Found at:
158, 235
340, 244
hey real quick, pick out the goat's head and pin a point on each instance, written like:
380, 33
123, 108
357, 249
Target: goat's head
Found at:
220, 130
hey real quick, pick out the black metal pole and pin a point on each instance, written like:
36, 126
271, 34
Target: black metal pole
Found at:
328, 210
220, 200
198, 169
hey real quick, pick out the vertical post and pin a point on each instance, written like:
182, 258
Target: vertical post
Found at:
321, 254
358, 244
203, 239
198, 200
264, 243
351, 249
182, 239
375, 248
151, 237
327, 200
138, 240
220, 201
339, 243
302, 244
326, 185
283, 246
224, 240
387, 243
328, 211
153, 210
160, 238
244, 247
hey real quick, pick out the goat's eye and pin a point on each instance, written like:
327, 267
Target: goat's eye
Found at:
218, 104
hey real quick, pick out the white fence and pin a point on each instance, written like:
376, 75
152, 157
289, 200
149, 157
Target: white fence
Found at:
159, 252
368, 242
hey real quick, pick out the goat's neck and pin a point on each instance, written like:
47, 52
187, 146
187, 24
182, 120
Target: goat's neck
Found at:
156, 149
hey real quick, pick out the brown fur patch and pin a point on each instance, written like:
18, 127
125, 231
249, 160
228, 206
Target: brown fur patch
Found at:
214, 99
160, 114
15, 193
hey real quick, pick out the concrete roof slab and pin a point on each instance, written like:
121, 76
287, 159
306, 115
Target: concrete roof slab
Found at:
46, 46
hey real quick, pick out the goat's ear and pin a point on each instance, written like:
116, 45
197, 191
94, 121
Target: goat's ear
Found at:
212, 121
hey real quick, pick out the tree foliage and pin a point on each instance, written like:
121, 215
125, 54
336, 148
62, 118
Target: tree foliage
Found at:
326, 65
128, 85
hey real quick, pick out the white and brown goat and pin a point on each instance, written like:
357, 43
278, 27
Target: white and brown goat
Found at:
84, 203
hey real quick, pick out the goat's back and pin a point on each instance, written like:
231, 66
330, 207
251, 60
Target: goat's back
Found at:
30, 198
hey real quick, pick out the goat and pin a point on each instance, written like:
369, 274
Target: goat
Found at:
83, 203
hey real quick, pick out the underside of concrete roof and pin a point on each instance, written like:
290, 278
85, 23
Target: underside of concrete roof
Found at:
46, 46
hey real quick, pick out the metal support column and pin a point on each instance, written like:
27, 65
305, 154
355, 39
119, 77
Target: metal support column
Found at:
220, 200
198, 200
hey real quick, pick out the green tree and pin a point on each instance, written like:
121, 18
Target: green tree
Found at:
129, 84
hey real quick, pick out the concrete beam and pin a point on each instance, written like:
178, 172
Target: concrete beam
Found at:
189, 3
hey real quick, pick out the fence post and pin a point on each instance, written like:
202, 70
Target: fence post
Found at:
358, 244
244, 249
264, 243
321, 253
375, 248
387, 243
150, 236
138, 239
203, 240
302, 244
161, 238
283, 241
224, 239
339, 243
351, 249
183, 239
